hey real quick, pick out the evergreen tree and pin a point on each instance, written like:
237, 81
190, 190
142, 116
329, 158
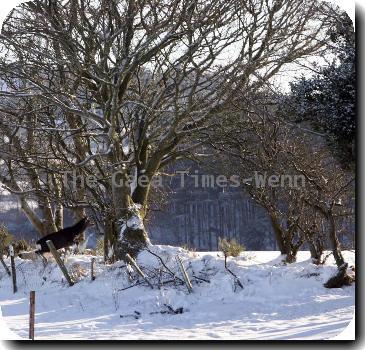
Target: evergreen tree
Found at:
327, 100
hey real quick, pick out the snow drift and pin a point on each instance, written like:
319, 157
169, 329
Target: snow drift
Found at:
277, 301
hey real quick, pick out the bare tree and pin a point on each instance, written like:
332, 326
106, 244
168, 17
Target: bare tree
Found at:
132, 85
257, 150
26, 164
290, 173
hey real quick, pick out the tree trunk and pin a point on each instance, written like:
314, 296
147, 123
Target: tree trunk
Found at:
279, 235
49, 222
59, 212
334, 242
291, 250
315, 256
109, 238
284, 241
80, 147
316, 250
341, 278
32, 216
128, 232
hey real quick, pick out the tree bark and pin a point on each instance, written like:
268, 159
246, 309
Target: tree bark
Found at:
109, 238
32, 217
131, 236
334, 242
125, 230
284, 241
316, 250
279, 236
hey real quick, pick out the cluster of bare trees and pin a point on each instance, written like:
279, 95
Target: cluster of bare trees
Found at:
303, 189
118, 89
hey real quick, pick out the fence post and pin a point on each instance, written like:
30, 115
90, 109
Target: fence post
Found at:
31, 314
13, 270
134, 264
184, 273
59, 262
5, 266
93, 269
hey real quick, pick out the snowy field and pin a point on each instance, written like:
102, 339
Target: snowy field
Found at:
277, 301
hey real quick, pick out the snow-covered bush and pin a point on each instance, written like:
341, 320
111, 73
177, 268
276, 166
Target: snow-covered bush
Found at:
20, 246
230, 247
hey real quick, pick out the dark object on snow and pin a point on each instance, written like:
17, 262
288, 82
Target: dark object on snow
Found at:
340, 279
170, 311
311, 274
64, 238
136, 315
180, 310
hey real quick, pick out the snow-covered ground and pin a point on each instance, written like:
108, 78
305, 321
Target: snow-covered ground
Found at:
277, 301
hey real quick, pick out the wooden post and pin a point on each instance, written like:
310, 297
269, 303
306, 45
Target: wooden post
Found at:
31, 314
184, 273
13, 270
93, 269
134, 264
5, 266
59, 262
